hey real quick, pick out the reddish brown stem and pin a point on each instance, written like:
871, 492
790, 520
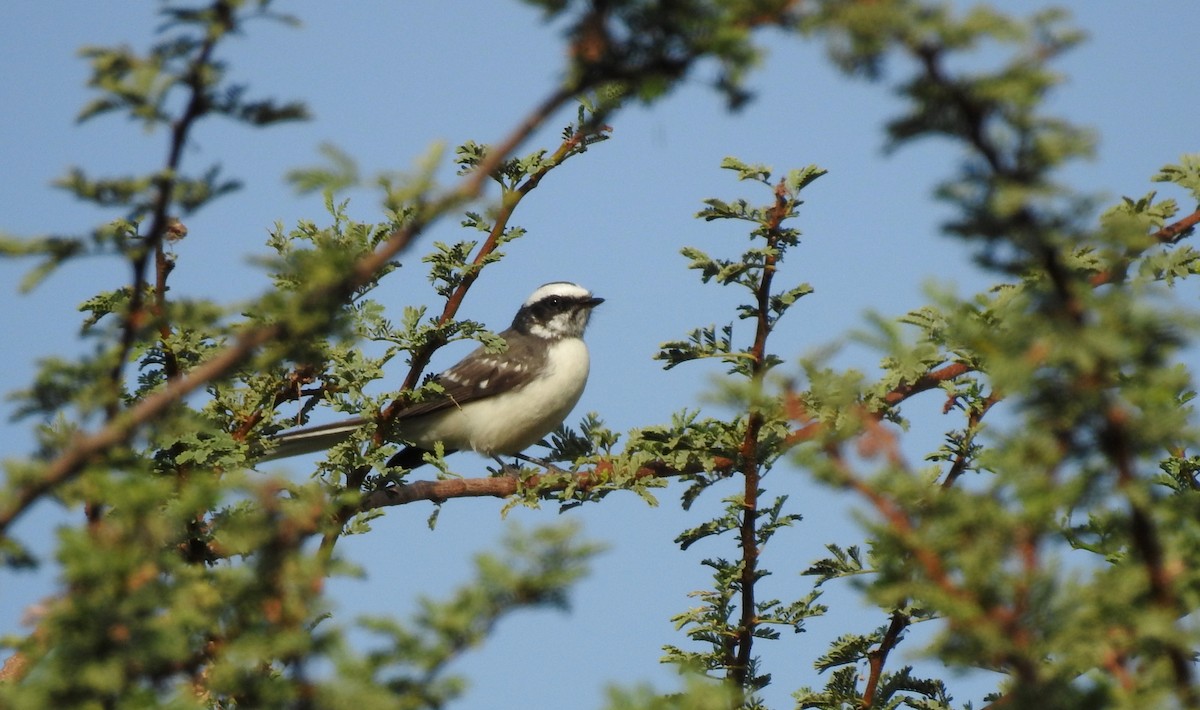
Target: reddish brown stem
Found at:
751, 473
504, 486
1170, 234
160, 217
962, 460
877, 657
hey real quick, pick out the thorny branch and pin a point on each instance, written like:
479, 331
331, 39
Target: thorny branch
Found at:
160, 219
751, 472
974, 418
504, 486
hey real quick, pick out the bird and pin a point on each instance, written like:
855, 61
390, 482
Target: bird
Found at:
493, 403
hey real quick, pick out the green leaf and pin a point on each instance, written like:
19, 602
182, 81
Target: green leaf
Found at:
747, 171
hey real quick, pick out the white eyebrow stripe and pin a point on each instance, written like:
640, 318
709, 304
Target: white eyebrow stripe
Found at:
562, 289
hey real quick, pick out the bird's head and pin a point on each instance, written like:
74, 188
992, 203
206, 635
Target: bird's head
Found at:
556, 310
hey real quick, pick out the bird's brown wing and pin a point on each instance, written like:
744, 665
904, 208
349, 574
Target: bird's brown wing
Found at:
479, 375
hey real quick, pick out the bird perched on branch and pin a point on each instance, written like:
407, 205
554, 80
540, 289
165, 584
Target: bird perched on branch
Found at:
495, 403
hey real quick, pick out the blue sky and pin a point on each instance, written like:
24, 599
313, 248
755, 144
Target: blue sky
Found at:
385, 81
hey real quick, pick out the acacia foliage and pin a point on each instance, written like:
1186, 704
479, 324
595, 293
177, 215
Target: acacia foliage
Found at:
1081, 345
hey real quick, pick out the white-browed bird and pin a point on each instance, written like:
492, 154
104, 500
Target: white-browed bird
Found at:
495, 403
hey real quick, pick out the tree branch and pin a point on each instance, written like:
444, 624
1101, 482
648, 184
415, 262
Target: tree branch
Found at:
503, 486
1176, 231
160, 218
1171, 234
877, 657
85, 447
963, 459
751, 473
928, 381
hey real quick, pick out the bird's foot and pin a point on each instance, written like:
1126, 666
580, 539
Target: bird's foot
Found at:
544, 463
514, 469
511, 470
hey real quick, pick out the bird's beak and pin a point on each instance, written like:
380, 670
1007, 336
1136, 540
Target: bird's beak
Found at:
593, 302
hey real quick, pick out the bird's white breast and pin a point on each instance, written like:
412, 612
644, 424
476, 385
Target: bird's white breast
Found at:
512, 421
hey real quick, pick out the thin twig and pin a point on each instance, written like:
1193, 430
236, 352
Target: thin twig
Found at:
963, 458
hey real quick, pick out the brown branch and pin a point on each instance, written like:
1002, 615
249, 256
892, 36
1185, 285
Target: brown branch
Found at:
1174, 232
500, 487
85, 447
927, 381
1028, 540
1115, 659
877, 657
503, 486
898, 519
812, 430
165, 183
751, 475
291, 389
14, 668
1171, 234
962, 459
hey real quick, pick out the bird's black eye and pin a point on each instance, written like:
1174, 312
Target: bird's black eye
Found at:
554, 302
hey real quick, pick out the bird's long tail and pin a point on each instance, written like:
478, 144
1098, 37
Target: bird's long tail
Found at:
311, 439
